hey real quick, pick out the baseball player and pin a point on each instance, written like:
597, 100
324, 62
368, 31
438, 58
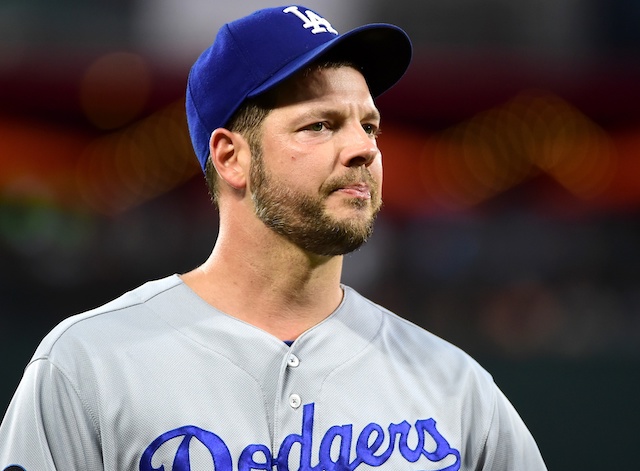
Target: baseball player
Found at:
260, 359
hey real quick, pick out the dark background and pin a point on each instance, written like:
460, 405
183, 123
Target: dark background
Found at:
512, 187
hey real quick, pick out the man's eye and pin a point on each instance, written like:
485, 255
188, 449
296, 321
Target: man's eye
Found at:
370, 129
317, 127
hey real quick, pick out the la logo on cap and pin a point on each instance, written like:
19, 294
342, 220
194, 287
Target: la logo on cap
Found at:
312, 20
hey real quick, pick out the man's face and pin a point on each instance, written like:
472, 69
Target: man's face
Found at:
317, 180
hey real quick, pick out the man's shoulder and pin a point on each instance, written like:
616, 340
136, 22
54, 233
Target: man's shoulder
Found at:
108, 321
413, 343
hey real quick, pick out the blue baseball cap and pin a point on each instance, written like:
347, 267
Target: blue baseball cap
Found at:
257, 52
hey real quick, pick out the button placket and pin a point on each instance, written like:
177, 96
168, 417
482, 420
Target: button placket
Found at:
294, 399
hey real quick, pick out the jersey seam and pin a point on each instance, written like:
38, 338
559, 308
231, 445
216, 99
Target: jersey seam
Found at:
209, 349
88, 315
85, 405
361, 352
222, 355
485, 436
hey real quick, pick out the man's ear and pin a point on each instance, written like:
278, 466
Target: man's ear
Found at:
230, 156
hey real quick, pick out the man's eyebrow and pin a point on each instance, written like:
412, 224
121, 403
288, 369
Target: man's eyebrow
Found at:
315, 113
373, 114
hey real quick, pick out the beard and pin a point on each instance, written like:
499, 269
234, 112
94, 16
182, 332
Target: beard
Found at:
303, 219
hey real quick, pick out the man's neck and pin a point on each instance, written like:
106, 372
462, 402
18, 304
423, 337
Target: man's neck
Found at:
269, 283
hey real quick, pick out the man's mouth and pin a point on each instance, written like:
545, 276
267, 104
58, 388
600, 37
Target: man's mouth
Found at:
356, 190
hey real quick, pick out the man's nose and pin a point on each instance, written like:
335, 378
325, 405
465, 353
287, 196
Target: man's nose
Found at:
360, 148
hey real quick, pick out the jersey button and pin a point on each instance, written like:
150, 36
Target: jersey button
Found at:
293, 361
295, 401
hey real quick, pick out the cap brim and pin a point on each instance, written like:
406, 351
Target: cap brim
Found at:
381, 51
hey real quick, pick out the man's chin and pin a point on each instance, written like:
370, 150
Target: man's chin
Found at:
353, 208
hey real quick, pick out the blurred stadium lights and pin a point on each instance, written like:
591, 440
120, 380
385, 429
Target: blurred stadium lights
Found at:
114, 89
106, 173
502, 147
128, 167
92, 113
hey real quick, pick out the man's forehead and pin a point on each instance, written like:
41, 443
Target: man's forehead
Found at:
320, 83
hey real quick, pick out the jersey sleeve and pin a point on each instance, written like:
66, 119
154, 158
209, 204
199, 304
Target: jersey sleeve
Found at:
509, 445
47, 427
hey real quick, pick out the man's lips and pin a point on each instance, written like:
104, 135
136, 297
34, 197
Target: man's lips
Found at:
358, 190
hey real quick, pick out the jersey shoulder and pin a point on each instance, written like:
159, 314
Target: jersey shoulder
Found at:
414, 345
106, 321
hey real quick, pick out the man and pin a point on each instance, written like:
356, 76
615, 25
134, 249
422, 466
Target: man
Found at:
260, 359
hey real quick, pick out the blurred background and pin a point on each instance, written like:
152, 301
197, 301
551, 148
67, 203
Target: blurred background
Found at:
512, 187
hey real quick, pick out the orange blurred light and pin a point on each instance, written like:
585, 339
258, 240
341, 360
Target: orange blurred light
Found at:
140, 162
115, 89
505, 146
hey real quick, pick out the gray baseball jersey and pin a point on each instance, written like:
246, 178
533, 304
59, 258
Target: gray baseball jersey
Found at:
158, 380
